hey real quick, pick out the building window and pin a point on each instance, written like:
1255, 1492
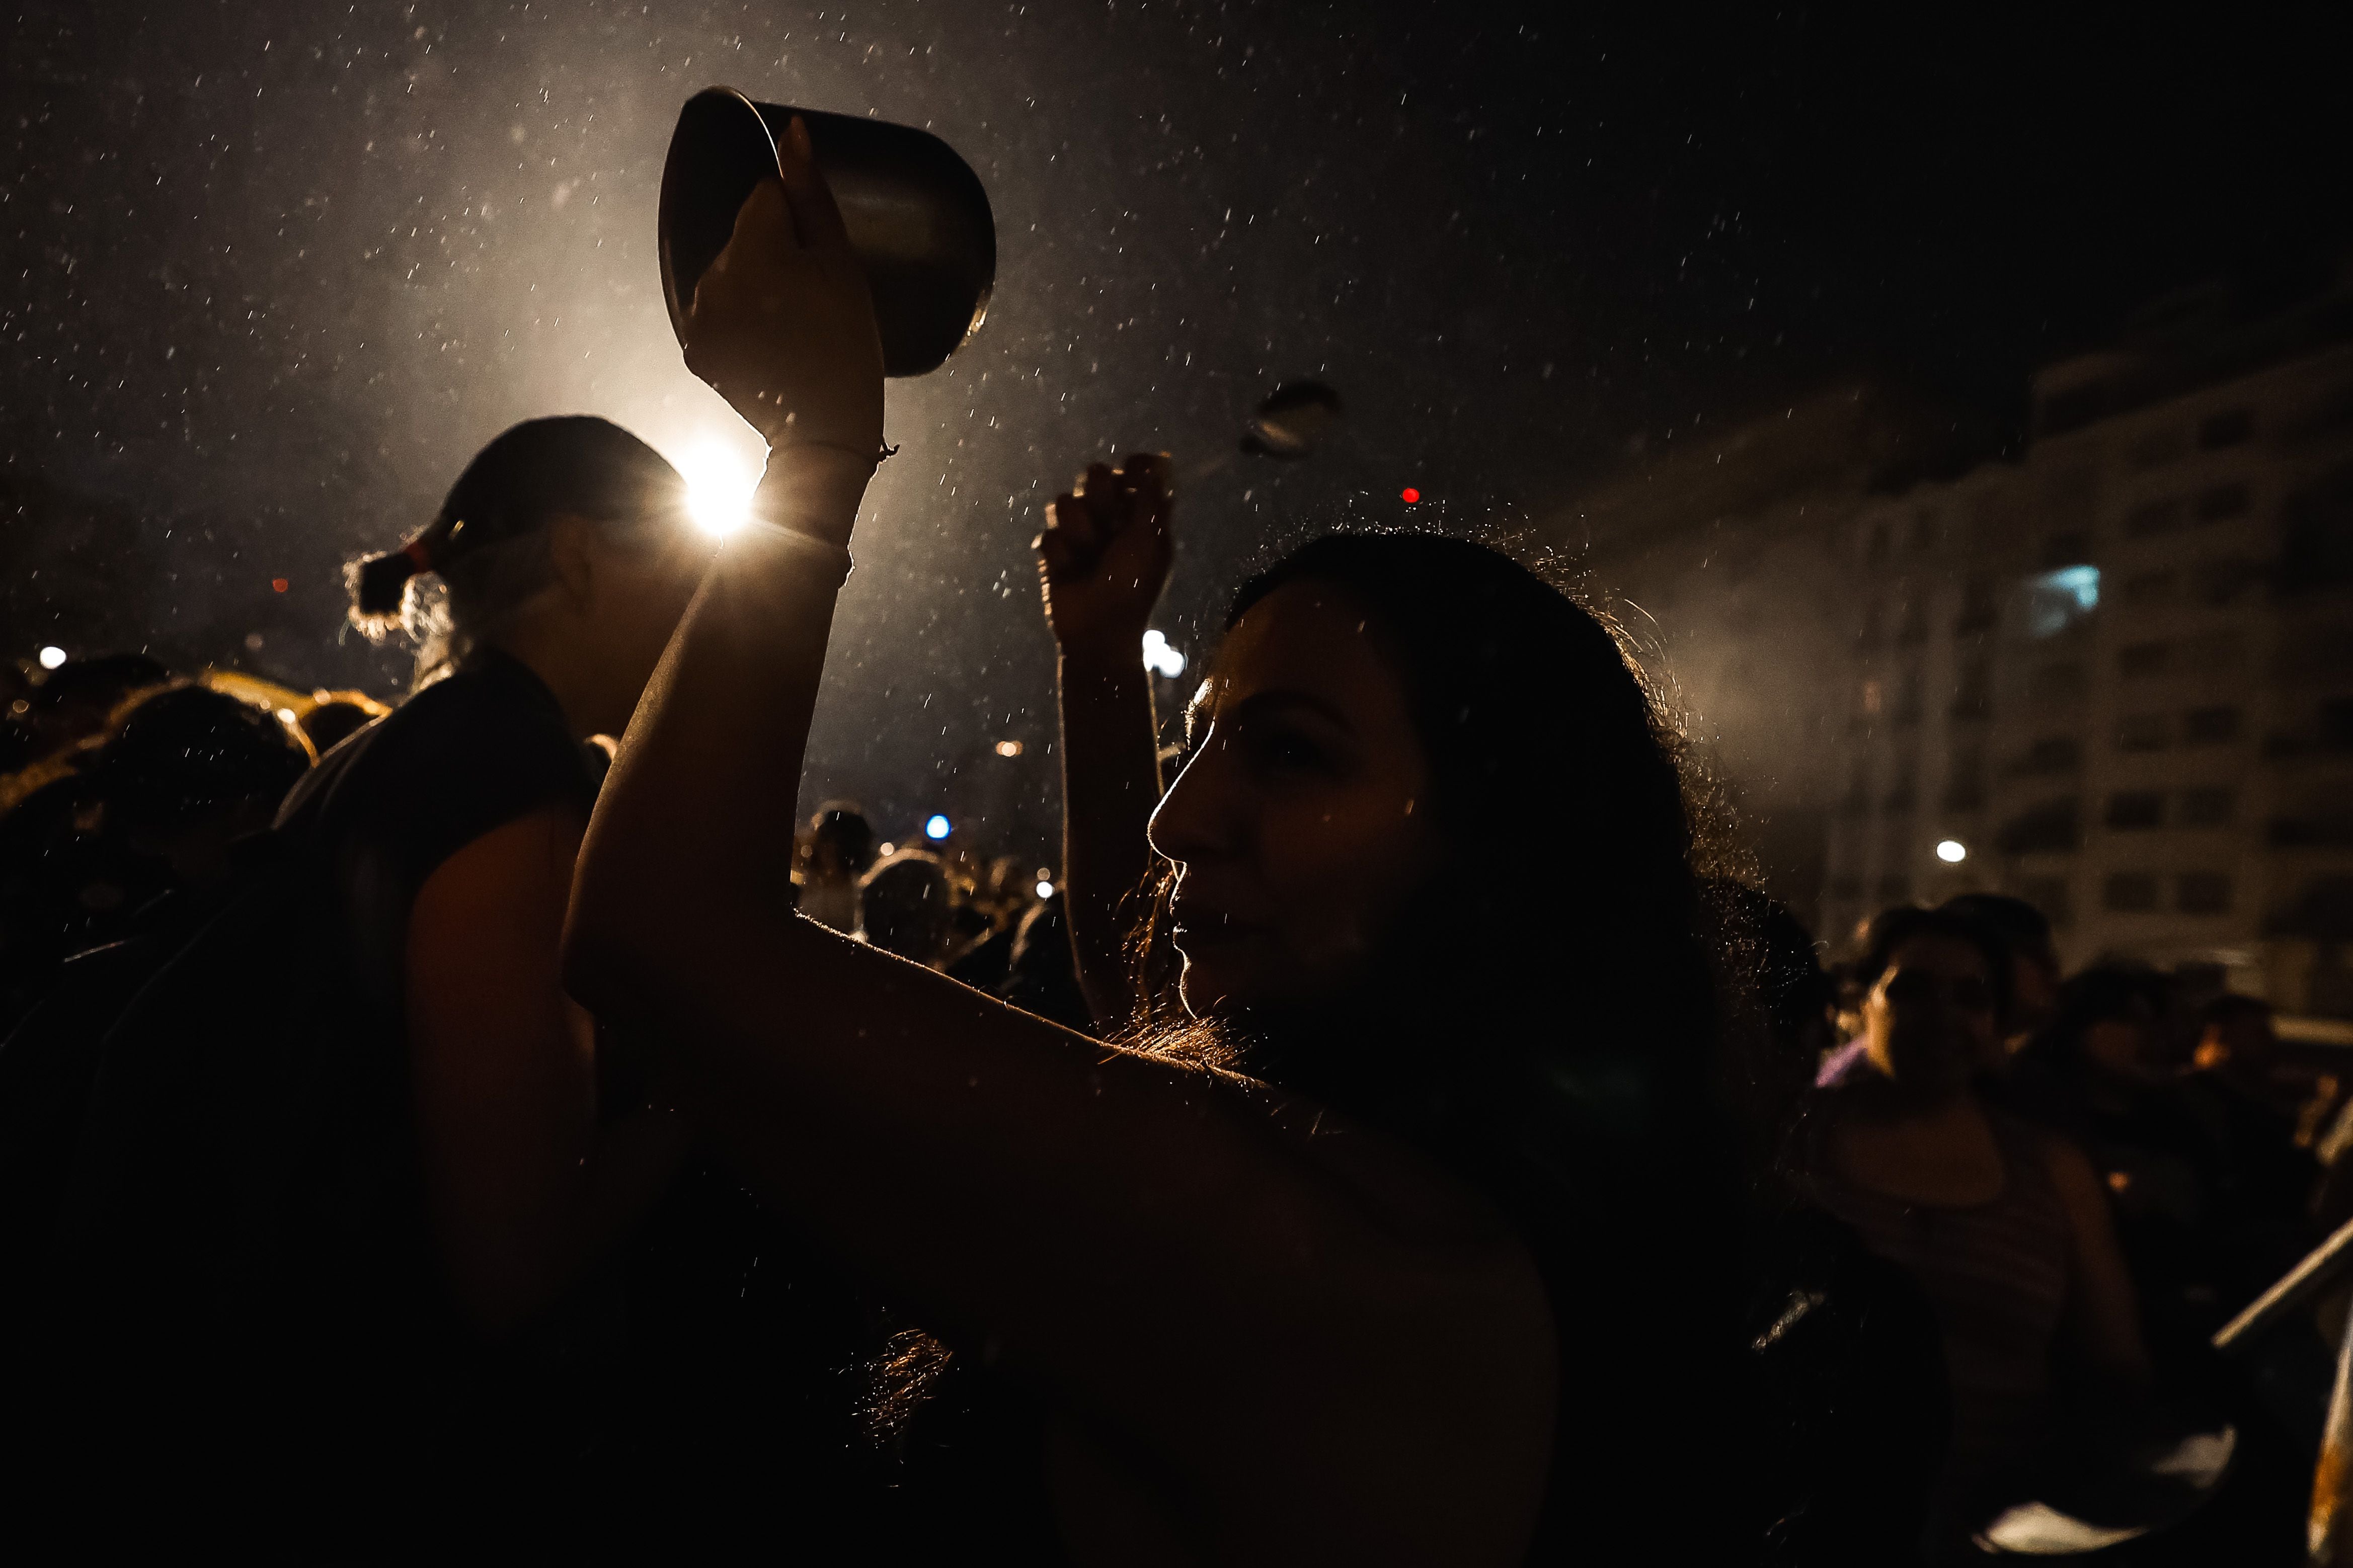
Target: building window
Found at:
2158, 448
2201, 893
2049, 828
2221, 502
2052, 754
2152, 517
2057, 600
2210, 726
2144, 588
2129, 810
2049, 894
2207, 808
2129, 892
1907, 696
1973, 697
2057, 683
2142, 659
2069, 547
2213, 653
2228, 428
1979, 605
2142, 732
1965, 780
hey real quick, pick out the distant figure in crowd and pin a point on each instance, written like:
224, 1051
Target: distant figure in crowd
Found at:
1433, 1271
2034, 966
906, 906
841, 849
2005, 1227
117, 865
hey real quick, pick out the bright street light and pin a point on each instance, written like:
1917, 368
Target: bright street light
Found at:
719, 486
1952, 851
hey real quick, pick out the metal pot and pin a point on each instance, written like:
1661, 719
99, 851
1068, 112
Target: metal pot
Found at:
917, 215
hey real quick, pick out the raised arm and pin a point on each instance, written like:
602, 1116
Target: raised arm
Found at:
1104, 559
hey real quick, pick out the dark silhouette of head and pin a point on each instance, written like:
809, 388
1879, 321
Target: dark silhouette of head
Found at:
906, 906
842, 841
191, 769
543, 492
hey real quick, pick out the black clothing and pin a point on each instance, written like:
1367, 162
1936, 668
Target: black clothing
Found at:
265, 1349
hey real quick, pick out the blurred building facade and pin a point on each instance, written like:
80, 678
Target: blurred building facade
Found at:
2115, 675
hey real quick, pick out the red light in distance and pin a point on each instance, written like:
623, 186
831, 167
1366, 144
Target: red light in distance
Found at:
1408, 495
279, 585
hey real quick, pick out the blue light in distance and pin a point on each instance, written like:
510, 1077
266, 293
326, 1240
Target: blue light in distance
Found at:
937, 827
2057, 600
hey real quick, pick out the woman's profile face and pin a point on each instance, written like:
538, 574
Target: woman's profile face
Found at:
1930, 1018
1301, 824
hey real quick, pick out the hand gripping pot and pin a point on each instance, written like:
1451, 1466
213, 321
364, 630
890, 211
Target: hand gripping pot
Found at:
917, 216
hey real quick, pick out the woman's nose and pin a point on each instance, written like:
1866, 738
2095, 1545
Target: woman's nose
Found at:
1187, 824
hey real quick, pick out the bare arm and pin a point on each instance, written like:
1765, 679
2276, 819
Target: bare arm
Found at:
1102, 559
2103, 1321
1312, 1345
526, 1188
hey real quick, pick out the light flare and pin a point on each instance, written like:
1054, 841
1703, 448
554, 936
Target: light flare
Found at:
719, 486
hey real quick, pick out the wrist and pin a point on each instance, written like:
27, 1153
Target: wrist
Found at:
813, 489
1097, 653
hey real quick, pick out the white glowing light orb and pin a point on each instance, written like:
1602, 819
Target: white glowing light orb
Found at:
1009, 748
1044, 890
1160, 658
936, 826
1952, 851
886, 849
719, 486
52, 656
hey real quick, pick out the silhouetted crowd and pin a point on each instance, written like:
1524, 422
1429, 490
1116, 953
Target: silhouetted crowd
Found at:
448, 1131
2049, 1190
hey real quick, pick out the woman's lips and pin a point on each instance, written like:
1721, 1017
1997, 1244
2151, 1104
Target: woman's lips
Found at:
1196, 929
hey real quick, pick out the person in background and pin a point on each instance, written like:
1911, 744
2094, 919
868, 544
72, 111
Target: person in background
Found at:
840, 848
188, 775
2034, 966
2004, 1225
906, 905
1041, 973
2261, 1186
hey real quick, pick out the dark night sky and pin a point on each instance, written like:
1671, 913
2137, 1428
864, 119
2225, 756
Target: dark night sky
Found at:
276, 270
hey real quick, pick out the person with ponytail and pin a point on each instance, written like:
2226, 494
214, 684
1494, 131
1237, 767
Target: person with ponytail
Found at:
1384, 1236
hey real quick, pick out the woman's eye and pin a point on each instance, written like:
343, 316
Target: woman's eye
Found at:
1284, 751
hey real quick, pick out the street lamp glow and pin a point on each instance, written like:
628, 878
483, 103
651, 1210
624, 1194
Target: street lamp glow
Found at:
52, 656
719, 486
1044, 890
1952, 851
937, 827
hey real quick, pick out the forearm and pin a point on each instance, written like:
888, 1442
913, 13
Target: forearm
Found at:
693, 827
1110, 782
